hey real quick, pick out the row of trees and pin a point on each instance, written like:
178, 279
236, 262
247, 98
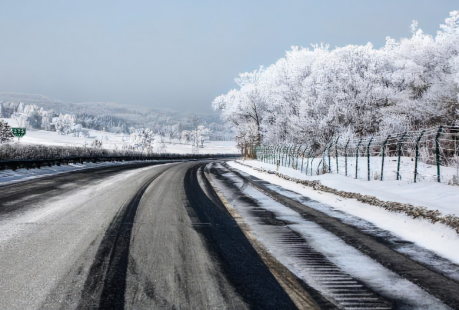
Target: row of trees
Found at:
32, 116
312, 95
154, 140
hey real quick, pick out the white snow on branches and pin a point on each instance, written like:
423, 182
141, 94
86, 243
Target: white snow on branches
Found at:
313, 94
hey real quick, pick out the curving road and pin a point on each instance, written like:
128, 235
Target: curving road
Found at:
128, 237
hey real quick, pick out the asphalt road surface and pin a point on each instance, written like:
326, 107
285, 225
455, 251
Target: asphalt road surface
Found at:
127, 237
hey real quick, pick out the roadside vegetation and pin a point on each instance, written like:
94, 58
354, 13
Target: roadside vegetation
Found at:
313, 95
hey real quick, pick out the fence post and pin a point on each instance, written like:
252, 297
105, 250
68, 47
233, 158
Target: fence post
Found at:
345, 157
307, 163
417, 156
298, 157
295, 153
302, 158
312, 160
329, 161
368, 156
357, 158
399, 146
383, 155
281, 155
268, 153
287, 152
292, 157
275, 149
323, 158
287, 155
336, 155
271, 154
437, 152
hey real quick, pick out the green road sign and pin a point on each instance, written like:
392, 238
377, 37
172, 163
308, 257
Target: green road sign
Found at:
18, 132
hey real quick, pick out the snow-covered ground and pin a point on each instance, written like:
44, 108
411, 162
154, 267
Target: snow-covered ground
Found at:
437, 237
433, 195
116, 141
425, 172
348, 259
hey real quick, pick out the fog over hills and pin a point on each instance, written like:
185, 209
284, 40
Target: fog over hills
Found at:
135, 116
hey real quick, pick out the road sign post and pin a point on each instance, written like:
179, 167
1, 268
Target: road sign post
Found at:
18, 132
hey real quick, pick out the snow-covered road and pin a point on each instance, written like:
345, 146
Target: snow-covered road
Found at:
133, 237
291, 237
160, 236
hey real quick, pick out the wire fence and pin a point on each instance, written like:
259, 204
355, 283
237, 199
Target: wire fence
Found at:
414, 156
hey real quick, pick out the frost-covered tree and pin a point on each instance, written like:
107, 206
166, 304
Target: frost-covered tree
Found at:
185, 137
314, 94
245, 108
141, 139
97, 144
5, 132
35, 119
64, 124
158, 145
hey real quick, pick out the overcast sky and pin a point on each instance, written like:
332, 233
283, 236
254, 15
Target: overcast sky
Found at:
180, 54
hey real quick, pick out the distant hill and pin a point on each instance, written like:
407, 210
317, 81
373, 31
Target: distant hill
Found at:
135, 116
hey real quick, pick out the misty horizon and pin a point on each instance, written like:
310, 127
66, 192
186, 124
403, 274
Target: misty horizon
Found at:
178, 55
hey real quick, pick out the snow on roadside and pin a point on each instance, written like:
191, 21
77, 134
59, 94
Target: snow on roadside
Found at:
438, 238
10, 176
347, 258
435, 196
117, 141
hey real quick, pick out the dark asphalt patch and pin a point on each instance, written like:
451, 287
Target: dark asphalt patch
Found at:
239, 261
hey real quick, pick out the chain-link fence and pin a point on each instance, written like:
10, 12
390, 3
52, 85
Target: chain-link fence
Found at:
413, 156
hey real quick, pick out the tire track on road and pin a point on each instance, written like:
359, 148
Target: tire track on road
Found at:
239, 261
441, 287
106, 282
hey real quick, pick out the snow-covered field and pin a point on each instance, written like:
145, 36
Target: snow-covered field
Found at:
116, 141
437, 237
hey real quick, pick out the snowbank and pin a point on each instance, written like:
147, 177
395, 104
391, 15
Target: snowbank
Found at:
433, 196
437, 237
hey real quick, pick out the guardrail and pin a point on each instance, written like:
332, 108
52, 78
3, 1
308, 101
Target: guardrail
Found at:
38, 163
